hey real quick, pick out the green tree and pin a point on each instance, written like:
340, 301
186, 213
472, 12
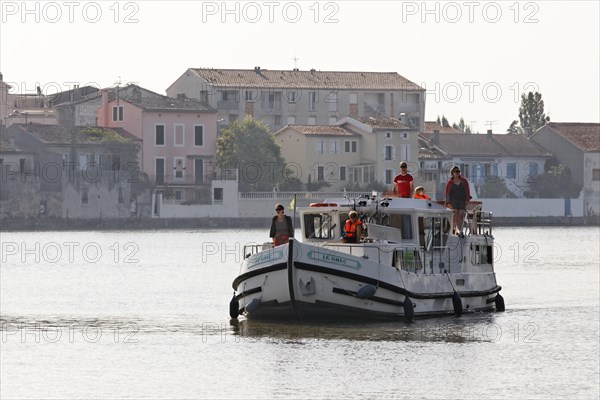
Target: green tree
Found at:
494, 189
556, 183
445, 122
514, 128
531, 113
249, 146
461, 126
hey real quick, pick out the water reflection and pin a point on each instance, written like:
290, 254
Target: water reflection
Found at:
476, 327
469, 328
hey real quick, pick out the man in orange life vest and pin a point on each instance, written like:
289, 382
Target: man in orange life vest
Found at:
352, 229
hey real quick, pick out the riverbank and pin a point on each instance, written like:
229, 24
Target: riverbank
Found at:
54, 224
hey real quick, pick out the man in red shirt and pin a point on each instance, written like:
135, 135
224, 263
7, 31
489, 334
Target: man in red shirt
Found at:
403, 182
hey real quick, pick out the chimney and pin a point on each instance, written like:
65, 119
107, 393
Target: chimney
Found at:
256, 69
489, 132
1, 77
436, 137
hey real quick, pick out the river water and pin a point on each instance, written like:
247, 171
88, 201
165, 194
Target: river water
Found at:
144, 315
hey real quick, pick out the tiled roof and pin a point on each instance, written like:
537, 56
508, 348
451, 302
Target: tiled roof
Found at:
56, 134
73, 95
151, 101
519, 145
264, 78
323, 130
488, 145
165, 103
428, 152
585, 136
431, 126
382, 122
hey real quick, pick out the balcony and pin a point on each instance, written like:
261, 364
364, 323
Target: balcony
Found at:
190, 180
228, 105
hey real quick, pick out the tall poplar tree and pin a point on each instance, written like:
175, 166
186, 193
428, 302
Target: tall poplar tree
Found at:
531, 113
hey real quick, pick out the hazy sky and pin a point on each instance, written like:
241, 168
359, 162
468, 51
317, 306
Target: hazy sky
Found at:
474, 58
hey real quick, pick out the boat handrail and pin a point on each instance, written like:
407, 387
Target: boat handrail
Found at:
421, 259
255, 248
479, 222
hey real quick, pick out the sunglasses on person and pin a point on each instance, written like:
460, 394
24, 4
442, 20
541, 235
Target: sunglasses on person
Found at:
279, 209
403, 166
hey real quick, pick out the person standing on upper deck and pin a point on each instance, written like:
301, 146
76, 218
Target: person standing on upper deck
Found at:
457, 196
403, 182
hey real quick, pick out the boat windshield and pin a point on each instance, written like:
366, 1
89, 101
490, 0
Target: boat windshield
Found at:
318, 226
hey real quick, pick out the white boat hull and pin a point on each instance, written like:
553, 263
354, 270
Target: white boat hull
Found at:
323, 282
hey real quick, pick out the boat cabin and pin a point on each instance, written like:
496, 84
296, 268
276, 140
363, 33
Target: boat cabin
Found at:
415, 234
409, 221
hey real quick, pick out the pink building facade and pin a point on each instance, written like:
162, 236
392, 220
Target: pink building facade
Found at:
178, 139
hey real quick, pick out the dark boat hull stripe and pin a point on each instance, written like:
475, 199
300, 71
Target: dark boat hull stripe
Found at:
390, 287
248, 292
255, 272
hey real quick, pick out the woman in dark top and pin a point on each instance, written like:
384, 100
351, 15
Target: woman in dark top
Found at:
282, 228
457, 196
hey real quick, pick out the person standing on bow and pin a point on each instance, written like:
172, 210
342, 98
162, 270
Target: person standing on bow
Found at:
457, 196
352, 229
403, 182
282, 228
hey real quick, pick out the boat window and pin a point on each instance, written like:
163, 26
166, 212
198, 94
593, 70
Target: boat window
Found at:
481, 254
318, 226
433, 232
407, 260
404, 223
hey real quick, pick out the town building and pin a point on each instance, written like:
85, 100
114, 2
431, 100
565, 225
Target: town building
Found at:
576, 145
70, 172
355, 152
294, 97
178, 138
484, 159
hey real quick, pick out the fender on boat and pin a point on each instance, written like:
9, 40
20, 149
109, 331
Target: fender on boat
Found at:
409, 310
234, 307
366, 292
457, 304
499, 301
252, 306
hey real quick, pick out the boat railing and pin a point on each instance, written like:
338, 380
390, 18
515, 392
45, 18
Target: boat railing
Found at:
405, 256
411, 258
478, 222
255, 248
